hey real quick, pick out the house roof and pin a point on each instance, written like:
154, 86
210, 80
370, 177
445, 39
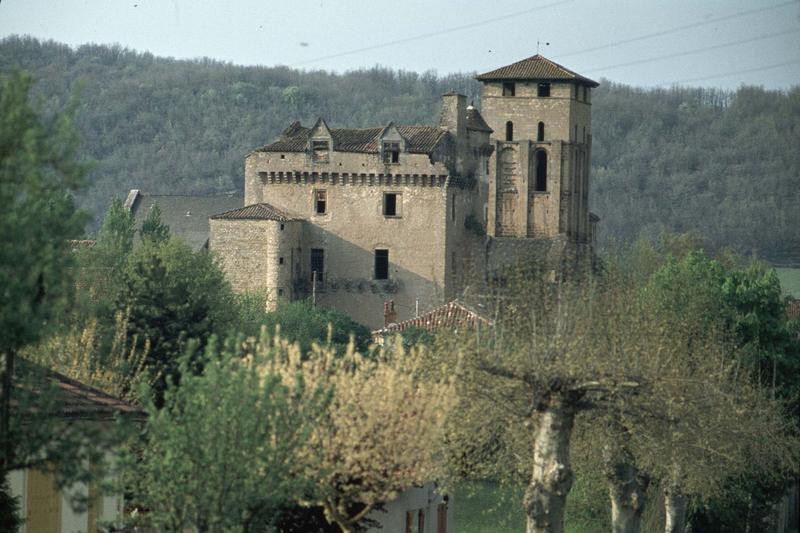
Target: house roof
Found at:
535, 68
186, 215
419, 139
475, 121
76, 400
257, 212
451, 315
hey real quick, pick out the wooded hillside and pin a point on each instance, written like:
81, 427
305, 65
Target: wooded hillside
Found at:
726, 164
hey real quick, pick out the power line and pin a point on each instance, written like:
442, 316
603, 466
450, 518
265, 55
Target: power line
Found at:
678, 28
733, 73
433, 34
696, 50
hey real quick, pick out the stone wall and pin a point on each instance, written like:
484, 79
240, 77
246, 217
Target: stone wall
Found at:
258, 255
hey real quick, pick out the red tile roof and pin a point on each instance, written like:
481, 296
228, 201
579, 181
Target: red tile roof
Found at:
536, 68
77, 400
451, 315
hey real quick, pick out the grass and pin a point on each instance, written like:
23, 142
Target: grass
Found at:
488, 507
790, 281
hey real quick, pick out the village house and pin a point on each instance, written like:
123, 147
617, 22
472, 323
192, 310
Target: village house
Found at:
354, 217
46, 507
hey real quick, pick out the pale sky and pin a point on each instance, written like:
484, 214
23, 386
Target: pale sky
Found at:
714, 43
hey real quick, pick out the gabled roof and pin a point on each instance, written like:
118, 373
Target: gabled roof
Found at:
475, 121
535, 68
257, 212
186, 215
451, 315
75, 400
419, 139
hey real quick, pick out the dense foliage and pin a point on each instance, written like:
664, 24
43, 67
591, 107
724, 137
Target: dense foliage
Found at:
723, 163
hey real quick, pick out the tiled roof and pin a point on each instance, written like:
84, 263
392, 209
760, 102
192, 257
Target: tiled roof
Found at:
75, 399
257, 212
419, 139
475, 121
535, 68
187, 216
451, 315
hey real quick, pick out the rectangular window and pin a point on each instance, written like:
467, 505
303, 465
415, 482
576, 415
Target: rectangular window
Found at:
409, 521
543, 89
320, 152
509, 88
317, 263
453, 209
320, 202
381, 264
280, 260
391, 153
421, 521
392, 204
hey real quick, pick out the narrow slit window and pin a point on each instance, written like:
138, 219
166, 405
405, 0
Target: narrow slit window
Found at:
320, 202
453, 209
543, 89
540, 132
541, 171
509, 88
391, 153
381, 264
392, 202
509, 131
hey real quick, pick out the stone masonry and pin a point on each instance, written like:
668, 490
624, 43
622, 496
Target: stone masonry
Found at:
358, 216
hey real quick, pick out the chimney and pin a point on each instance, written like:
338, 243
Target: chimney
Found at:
454, 113
389, 314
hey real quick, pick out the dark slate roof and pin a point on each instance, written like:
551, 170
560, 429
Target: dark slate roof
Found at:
76, 400
535, 68
419, 139
257, 212
475, 121
187, 216
451, 315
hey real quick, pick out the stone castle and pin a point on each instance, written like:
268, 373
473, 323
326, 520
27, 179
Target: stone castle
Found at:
355, 217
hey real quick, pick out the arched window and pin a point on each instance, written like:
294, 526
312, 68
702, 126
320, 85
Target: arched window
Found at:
540, 132
541, 170
509, 131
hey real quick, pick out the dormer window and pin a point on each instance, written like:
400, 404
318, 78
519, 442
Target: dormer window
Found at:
320, 151
509, 88
391, 153
543, 89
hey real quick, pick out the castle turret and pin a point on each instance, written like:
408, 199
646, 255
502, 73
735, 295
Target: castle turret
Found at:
540, 114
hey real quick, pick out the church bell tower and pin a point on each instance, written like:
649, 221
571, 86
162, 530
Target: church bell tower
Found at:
540, 114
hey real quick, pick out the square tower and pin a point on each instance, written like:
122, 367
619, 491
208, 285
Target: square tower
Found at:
540, 114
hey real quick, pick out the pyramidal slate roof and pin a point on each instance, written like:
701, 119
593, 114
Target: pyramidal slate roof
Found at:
419, 139
535, 68
257, 212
